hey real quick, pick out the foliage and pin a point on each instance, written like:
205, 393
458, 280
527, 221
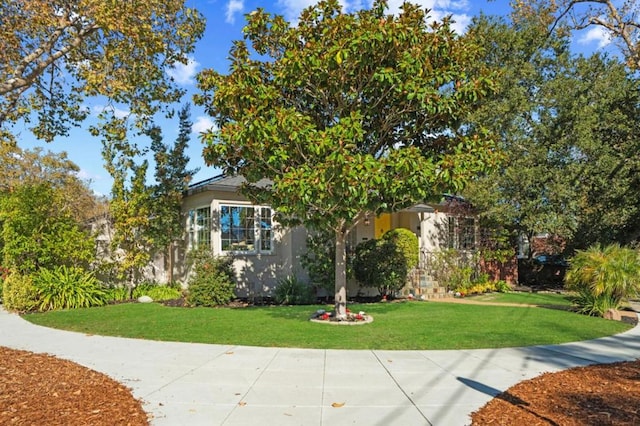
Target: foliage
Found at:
67, 288
385, 263
396, 326
502, 286
604, 276
58, 53
172, 179
130, 207
212, 280
117, 294
38, 231
19, 293
347, 114
567, 127
157, 292
319, 259
459, 271
594, 304
292, 291
619, 20
20, 167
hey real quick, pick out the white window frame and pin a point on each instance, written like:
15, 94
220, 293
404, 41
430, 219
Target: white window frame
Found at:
197, 230
457, 230
261, 235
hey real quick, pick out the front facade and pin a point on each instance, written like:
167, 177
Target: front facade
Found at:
219, 217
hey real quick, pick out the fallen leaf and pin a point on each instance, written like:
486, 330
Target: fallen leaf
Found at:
242, 403
337, 404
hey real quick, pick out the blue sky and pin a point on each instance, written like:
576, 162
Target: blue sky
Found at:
225, 19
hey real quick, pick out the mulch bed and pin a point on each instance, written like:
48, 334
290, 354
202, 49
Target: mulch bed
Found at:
598, 395
37, 389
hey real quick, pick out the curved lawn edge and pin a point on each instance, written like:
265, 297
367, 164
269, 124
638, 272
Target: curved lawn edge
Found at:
398, 326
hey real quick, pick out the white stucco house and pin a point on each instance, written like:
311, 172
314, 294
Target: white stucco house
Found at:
219, 217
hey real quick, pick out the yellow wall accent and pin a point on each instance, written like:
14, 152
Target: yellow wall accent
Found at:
382, 224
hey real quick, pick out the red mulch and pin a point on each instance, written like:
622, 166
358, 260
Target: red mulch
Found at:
597, 395
37, 389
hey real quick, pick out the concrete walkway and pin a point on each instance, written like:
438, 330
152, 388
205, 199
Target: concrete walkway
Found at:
199, 384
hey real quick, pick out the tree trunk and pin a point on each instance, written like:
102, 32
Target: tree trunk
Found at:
341, 274
170, 263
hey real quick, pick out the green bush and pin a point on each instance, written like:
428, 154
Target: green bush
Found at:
385, 263
212, 281
604, 277
319, 260
457, 271
19, 293
157, 292
116, 294
67, 288
594, 305
291, 291
502, 286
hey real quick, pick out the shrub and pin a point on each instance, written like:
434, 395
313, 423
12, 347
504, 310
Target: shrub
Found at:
592, 305
455, 270
67, 288
604, 276
212, 281
116, 294
291, 291
319, 260
385, 263
502, 287
19, 293
157, 292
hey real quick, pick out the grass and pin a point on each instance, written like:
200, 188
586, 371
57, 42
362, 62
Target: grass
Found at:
396, 326
540, 299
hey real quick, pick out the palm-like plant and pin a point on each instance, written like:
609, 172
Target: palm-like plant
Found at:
611, 272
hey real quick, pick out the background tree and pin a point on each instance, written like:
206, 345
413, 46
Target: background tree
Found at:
39, 231
172, 179
347, 114
55, 53
130, 207
618, 20
566, 126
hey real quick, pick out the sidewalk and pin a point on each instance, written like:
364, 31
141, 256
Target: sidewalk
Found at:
199, 384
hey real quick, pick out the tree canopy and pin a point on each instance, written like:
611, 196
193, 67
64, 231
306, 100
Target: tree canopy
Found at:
347, 114
54, 54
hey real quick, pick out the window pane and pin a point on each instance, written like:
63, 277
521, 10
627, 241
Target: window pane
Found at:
237, 227
203, 227
467, 234
265, 229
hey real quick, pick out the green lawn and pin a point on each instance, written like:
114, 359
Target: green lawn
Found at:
541, 299
409, 325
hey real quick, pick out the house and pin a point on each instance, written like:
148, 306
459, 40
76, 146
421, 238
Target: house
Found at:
219, 217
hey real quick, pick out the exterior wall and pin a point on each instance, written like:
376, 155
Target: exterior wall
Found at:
257, 273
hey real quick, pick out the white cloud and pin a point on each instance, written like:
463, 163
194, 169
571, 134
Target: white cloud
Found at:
202, 124
183, 74
439, 9
233, 7
119, 113
597, 34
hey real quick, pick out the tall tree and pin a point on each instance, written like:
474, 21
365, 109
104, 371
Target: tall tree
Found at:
53, 54
130, 206
172, 179
347, 114
567, 128
617, 19
38, 230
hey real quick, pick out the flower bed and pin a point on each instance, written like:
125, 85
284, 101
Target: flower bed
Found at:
351, 318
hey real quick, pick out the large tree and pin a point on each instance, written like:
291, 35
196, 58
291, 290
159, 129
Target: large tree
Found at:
53, 54
567, 127
347, 114
618, 20
172, 180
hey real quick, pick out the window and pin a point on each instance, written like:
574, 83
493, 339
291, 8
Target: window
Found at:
199, 225
246, 229
461, 233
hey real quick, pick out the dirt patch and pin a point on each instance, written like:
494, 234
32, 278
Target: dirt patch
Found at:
37, 389
606, 394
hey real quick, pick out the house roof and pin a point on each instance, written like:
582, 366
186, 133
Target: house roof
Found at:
222, 183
